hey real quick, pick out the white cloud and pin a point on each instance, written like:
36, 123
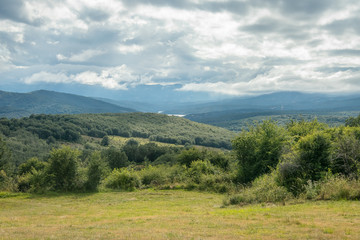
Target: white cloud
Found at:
125, 49
47, 77
117, 78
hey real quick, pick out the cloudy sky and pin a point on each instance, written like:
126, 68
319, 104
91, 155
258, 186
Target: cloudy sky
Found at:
215, 46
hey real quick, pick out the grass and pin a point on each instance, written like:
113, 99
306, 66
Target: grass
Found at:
150, 214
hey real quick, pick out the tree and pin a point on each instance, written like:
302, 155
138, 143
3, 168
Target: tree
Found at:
258, 150
63, 165
116, 158
353, 121
95, 172
314, 155
4, 157
105, 141
186, 157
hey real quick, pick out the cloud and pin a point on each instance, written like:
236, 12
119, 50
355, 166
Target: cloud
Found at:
117, 78
223, 46
80, 57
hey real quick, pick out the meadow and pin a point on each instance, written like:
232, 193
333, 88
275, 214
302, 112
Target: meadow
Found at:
170, 214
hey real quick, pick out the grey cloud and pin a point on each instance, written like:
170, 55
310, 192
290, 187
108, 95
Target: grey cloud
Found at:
172, 3
339, 27
269, 25
91, 14
344, 52
15, 10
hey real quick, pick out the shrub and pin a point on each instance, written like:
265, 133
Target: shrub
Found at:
263, 189
7, 183
95, 172
122, 179
314, 157
289, 174
258, 150
338, 187
36, 181
29, 165
63, 166
154, 176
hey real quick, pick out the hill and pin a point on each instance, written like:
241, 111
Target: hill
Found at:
49, 102
29, 136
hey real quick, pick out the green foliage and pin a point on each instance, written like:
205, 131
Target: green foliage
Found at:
29, 165
35, 181
105, 141
63, 166
186, 157
154, 176
7, 183
122, 179
5, 155
353, 121
302, 128
258, 150
96, 171
264, 189
333, 187
289, 174
115, 158
314, 155
346, 154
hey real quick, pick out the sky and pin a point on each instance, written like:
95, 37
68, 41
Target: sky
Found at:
218, 47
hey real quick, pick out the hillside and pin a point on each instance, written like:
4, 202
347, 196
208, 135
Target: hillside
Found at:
156, 127
49, 102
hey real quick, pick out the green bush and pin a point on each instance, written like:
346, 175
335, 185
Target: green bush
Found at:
63, 167
339, 188
95, 172
7, 183
154, 176
263, 189
35, 181
314, 158
258, 150
122, 179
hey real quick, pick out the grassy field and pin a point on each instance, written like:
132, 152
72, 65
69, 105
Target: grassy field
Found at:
149, 214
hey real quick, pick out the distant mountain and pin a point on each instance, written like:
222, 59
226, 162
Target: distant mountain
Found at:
282, 101
50, 102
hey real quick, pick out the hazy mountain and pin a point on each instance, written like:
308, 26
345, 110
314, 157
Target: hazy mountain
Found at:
283, 101
50, 102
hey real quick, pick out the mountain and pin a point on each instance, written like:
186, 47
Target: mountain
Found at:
282, 101
50, 102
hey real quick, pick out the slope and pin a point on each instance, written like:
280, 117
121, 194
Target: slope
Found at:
49, 102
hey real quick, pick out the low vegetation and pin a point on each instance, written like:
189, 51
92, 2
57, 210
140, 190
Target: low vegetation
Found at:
269, 163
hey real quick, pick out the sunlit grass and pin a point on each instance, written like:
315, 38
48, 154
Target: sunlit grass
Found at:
170, 215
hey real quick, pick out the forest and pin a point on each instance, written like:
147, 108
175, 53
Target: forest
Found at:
268, 162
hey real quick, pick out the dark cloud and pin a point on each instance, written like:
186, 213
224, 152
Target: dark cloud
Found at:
14, 10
